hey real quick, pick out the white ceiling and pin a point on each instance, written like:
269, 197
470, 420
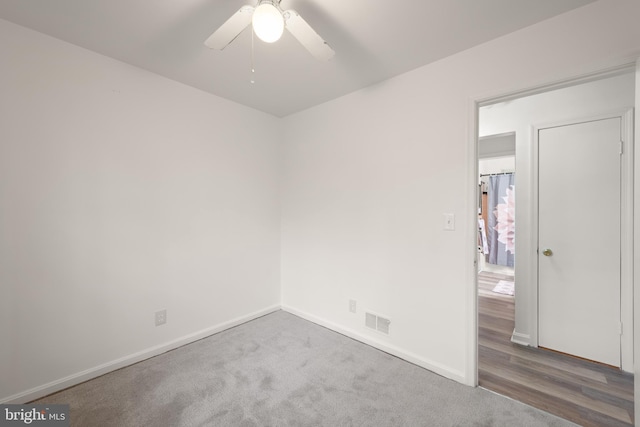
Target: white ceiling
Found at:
373, 40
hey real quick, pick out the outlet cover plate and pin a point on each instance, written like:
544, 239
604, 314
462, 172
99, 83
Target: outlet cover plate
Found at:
161, 317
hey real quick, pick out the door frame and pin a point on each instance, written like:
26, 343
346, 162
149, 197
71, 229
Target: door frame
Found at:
615, 67
626, 227
630, 63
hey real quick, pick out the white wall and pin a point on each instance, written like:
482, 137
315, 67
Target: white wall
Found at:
577, 102
368, 176
497, 146
123, 193
130, 193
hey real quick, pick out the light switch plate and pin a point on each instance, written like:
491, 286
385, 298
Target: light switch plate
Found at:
352, 305
449, 222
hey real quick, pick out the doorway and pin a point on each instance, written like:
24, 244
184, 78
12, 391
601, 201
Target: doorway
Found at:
496, 167
509, 360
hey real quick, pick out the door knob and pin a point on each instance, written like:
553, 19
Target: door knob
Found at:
547, 252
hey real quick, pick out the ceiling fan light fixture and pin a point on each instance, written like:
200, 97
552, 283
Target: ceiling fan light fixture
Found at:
268, 22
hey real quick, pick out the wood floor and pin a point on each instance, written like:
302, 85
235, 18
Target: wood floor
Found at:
587, 393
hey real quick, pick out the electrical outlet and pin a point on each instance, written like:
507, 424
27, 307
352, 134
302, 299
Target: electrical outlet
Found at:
352, 305
161, 317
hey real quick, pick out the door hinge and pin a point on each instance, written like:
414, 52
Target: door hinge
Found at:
620, 328
621, 147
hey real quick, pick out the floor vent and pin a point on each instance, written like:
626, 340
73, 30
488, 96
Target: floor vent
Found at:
378, 323
371, 320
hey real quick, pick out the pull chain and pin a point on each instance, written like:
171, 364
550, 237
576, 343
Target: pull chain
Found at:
253, 69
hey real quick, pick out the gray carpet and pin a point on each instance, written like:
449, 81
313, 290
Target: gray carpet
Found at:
281, 370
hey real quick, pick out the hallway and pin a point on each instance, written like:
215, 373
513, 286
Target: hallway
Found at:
584, 392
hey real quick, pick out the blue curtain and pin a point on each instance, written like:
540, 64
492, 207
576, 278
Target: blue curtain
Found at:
501, 218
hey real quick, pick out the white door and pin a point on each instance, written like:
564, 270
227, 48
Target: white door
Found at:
579, 239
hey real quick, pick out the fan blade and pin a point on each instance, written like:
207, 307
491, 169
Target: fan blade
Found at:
307, 37
230, 29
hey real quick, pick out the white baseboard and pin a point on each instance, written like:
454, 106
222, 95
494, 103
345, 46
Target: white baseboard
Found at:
438, 368
522, 339
80, 377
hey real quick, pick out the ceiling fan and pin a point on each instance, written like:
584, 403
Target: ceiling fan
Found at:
268, 21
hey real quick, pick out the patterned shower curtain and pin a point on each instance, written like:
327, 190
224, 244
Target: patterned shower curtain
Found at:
501, 217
